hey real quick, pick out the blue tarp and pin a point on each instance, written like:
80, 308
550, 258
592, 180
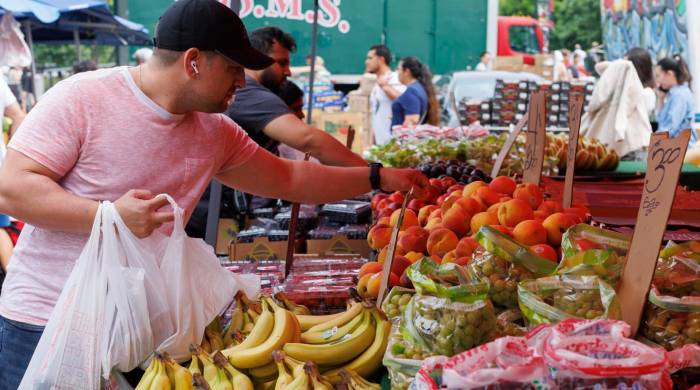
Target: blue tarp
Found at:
54, 21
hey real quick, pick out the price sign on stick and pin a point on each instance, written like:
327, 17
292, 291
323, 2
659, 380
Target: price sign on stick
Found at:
575, 111
508, 145
663, 169
293, 222
536, 138
351, 137
388, 261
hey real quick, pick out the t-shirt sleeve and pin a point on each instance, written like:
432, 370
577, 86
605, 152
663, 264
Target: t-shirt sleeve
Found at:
410, 102
6, 96
53, 132
238, 147
254, 108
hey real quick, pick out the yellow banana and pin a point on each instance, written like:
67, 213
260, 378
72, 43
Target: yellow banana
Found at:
338, 352
369, 361
194, 365
340, 320
239, 381
148, 375
300, 382
264, 373
335, 333
295, 366
221, 382
309, 321
180, 377
209, 371
282, 332
260, 332
360, 383
236, 318
297, 330
283, 376
215, 340
317, 382
265, 385
160, 381
253, 315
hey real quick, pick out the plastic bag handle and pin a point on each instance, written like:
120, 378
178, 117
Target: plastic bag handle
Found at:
179, 226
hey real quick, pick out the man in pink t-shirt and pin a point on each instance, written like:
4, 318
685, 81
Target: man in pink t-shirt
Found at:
125, 134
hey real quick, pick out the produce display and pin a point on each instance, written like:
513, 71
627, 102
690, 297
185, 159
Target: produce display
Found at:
482, 152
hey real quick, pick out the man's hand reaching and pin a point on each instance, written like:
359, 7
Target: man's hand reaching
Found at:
139, 210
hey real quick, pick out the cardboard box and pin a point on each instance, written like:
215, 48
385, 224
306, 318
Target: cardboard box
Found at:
367, 83
337, 124
339, 244
508, 63
261, 249
227, 231
358, 103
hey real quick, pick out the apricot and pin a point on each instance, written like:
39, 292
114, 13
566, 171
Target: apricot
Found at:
530, 193
441, 241
371, 267
482, 219
471, 206
457, 220
414, 239
556, 225
545, 251
530, 233
488, 196
513, 212
379, 236
424, 213
409, 219
466, 247
503, 185
471, 188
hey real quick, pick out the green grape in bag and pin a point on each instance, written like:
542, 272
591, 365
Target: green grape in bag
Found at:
671, 322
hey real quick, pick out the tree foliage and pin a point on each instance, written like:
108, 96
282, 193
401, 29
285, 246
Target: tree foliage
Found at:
575, 21
65, 56
516, 7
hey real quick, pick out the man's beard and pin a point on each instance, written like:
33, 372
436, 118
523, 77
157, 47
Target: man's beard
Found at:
269, 80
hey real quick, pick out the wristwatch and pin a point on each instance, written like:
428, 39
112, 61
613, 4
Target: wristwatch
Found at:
374, 178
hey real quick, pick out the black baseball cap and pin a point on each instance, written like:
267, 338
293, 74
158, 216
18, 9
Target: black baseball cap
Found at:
208, 25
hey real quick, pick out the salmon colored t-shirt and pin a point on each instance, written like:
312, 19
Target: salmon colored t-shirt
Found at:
104, 137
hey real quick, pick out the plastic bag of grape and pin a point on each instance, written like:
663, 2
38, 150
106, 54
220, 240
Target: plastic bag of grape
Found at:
402, 359
395, 302
506, 363
678, 270
450, 311
554, 298
606, 362
670, 321
504, 263
590, 250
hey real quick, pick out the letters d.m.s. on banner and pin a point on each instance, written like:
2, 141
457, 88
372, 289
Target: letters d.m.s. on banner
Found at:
329, 15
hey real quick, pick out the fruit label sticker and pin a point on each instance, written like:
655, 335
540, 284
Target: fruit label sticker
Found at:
508, 145
389, 259
536, 138
575, 111
663, 169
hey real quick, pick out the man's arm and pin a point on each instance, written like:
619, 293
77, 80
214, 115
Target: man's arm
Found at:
290, 130
15, 113
300, 181
30, 192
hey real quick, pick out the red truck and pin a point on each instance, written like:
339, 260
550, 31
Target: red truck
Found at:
520, 36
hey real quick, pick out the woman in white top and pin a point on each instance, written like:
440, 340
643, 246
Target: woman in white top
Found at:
641, 60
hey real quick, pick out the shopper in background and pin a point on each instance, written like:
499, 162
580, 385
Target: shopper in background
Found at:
561, 72
644, 66
142, 55
418, 105
84, 66
387, 89
9, 108
484, 62
578, 50
675, 100
293, 97
579, 67
126, 134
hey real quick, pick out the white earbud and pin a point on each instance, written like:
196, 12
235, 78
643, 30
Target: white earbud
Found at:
194, 68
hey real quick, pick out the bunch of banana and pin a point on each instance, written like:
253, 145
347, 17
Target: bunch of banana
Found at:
217, 372
164, 374
293, 374
275, 327
352, 381
295, 308
308, 321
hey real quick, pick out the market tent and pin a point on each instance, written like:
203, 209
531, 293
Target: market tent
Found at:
74, 21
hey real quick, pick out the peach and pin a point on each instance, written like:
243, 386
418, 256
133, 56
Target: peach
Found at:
409, 219
555, 225
414, 256
471, 188
362, 285
447, 204
466, 246
481, 219
373, 285
448, 181
436, 258
424, 213
493, 209
482, 205
371, 267
377, 198
449, 257
437, 213
384, 221
433, 223
382, 203
463, 261
550, 207
530, 193
456, 187
503, 185
545, 251
469, 205
530, 233
441, 199
503, 229
415, 205
396, 197
404, 281
378, 236
582, 212
441, 241
399, 264
487, 195
541, 215
382, 254
414, 239
457, 220
513, 212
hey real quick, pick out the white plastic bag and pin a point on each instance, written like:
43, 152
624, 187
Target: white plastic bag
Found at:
15, 51
127, 297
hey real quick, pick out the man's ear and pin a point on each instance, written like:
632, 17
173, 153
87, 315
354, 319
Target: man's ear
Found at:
190, 62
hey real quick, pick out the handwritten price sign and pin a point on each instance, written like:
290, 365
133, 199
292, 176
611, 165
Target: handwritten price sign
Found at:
663, 170
536, 138
575, 111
